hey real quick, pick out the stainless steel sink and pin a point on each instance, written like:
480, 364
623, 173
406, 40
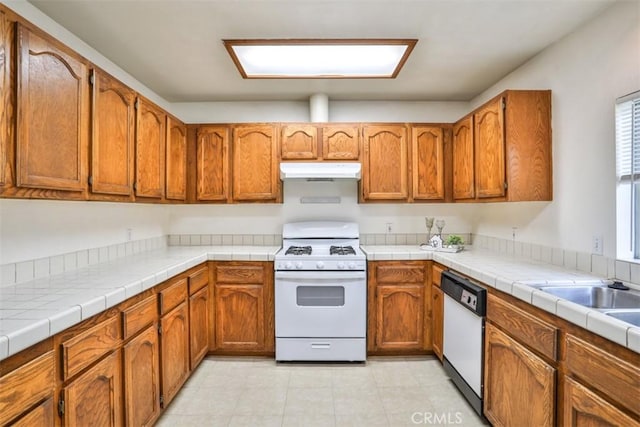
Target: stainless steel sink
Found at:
594, 296
629, 316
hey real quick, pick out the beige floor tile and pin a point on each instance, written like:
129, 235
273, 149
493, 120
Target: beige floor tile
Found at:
394, 376
268, 377
213, 401
311, 377
349, 401
255, 421
308, 401
405, 400
193, 421
261, 401
308, 420
362, 420
353, 378
179, 404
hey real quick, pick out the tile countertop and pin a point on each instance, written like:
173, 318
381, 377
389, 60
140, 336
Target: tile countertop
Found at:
33, 311
512, 275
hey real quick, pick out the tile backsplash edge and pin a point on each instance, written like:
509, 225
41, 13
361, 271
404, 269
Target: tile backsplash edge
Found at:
24, 271
589, 263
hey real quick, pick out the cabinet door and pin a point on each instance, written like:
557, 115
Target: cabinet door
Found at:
299, 142
93, 399
176, 171
437, 316
52, 114
400, 321
255, 163
40, 416
141, 366
490, 150
199, 325
112, 143
340, 142
150, 150
519, 387
175, 351
584, 408
6, 107
240, 317
384, 165
427, 145
213, 163
463, 164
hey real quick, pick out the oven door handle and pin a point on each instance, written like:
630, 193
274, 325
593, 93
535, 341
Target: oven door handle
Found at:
320, 275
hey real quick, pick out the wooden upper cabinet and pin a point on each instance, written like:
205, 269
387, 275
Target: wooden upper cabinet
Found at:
255, 163
176, 167
112, 143
490, 150
212, 176
341, 142
299, 142
463, 164
427, 145
6, 107
52, 115
384, 163
150, 150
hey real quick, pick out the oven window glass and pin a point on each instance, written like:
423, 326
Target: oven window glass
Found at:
320, 296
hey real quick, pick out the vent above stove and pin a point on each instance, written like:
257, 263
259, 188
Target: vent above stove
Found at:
320, 170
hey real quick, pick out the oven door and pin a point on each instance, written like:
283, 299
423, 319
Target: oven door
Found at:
320, 304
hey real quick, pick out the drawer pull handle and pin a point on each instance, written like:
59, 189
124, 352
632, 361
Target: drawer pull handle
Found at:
323, 345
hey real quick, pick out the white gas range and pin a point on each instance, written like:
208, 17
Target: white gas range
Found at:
320, 293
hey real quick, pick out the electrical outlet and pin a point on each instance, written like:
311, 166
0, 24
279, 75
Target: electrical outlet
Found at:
596, 245
389, 227
129, 234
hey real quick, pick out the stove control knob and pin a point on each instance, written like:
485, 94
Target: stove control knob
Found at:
341, 266
288, 265
352, 266
319, 265
299, 265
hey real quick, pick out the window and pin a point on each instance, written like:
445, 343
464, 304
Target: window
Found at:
628, 175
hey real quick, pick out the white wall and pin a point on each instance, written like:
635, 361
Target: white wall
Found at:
268, 218
31, 229
586, 71
339, 111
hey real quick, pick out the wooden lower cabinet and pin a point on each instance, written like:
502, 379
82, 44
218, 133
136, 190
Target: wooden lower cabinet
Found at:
141, 365
174, 347
244, 307
94, 398
40, 416
437, 320
584, 408
198, 326
399, 307
519, 387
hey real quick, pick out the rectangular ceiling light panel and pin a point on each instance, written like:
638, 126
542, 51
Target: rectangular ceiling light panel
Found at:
319, 58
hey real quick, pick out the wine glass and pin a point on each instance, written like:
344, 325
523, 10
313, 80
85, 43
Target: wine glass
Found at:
429, 223
440, 225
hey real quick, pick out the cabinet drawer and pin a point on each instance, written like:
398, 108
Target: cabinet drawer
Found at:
88, 346
407, 273
26, 386
173, 295
604, 371
240, 274
138, 316
198, 280
435, 274
529, 330
40, 416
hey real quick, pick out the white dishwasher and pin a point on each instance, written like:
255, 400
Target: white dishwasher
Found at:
465, 306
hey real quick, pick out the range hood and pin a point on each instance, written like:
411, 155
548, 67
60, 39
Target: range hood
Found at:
320, 171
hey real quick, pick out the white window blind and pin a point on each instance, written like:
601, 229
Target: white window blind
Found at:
628, 173
628, 138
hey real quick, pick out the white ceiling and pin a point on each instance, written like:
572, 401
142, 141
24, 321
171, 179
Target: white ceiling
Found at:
174, 46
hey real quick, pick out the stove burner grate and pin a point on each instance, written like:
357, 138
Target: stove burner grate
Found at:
298, 250
341, 250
